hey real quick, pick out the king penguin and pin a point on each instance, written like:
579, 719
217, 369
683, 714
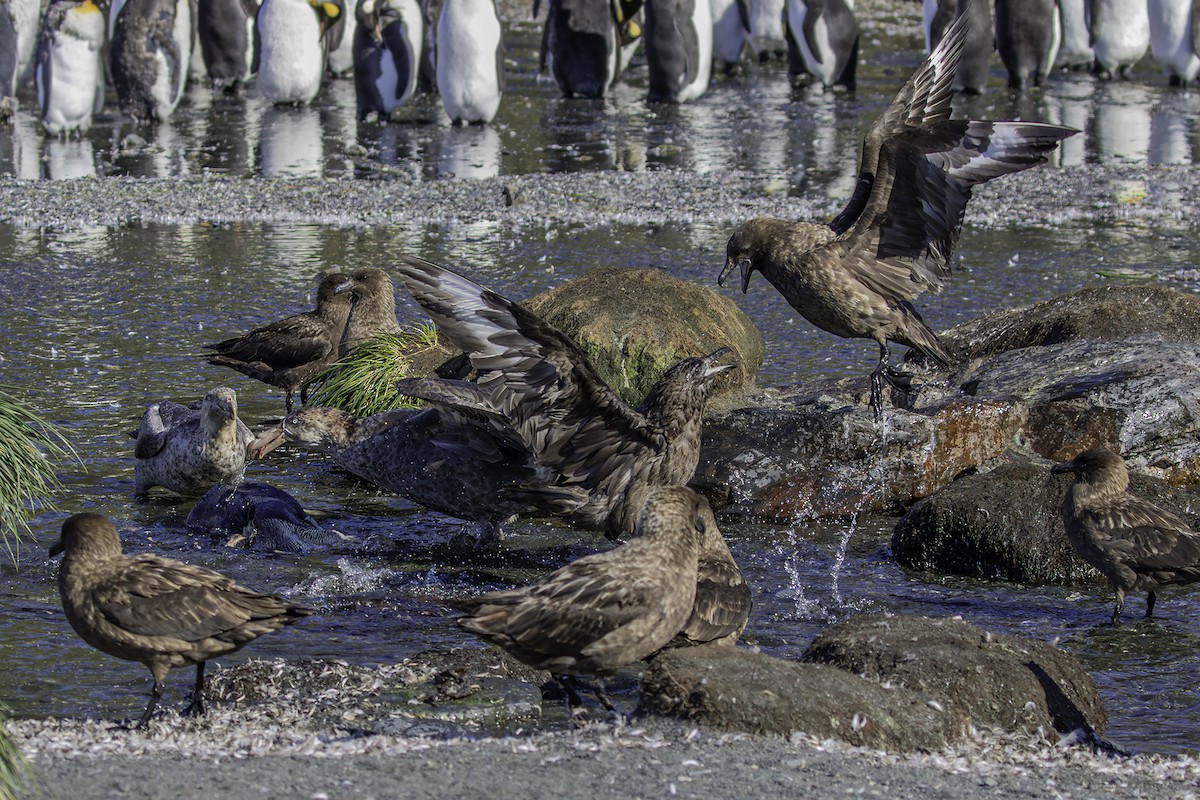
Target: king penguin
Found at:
823, 34
69, 65
225, 29
976, 60
1028, 33
679, 49
150, 45
767, 34
470, 60
291, 56
387, 54
19, 22
1075, 53
339, 42
731, 30
584, 43
1120, 35
1175, 38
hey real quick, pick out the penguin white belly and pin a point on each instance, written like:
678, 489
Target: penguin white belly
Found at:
729, 34
1124, 34
822, 65
341, 59
388, 81
69, 100
702, 23
170, 78
1171, 37
467, 42
292, 57
1076, 41
766, 26
26, 15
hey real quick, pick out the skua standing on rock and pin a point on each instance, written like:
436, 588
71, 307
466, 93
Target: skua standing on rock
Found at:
161, 612
1175, 38
225, 30
188, 449
538, 387
150, 45
1028, 33
293, 351
470, 60
292, 48
823, 41
69, 70
1120, 32
1135, 544
975, 63
607, 610
373, 310
387, 55
856, 276
679, 49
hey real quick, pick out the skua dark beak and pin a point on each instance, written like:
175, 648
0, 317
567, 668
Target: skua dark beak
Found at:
57, 548
1064, 466
711, 368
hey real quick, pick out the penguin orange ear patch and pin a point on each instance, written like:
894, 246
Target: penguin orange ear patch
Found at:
331, 10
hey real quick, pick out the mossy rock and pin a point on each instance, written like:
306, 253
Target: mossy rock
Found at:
636, 323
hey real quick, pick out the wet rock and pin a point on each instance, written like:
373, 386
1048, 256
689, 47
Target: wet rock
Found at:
999, 681
1116, 367
898, 683
1110, 313
741, 690
436, 694
822, 455
1006, 524
636, 323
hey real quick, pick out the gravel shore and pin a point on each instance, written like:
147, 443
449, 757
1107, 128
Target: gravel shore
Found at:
224, 756
1099, 193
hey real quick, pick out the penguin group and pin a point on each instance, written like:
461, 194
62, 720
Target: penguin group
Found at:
1034, 38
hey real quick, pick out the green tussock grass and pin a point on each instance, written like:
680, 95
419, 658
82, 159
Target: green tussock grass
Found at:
29, 449
15, 775
363, 382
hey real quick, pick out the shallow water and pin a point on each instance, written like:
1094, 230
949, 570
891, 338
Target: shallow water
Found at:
101, 321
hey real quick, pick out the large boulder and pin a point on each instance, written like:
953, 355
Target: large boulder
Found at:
974, 528
1116, 367
635, 323
897, 683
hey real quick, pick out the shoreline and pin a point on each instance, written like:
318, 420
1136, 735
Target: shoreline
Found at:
646, 757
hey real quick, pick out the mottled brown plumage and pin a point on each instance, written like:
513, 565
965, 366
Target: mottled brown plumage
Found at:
293, 351
856, 276
189, 449
606, 610
161, 612
722, 605
537, 387
373, 311
1133, 542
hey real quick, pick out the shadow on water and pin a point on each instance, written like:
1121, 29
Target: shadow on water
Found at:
101, 321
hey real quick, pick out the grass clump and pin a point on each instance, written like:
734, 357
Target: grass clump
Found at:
15, 774
363, 382
29, 448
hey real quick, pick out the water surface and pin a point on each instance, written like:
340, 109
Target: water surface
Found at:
101, 321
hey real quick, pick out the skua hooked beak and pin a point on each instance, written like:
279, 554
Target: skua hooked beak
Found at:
729, 265
711, 368
1064, 466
